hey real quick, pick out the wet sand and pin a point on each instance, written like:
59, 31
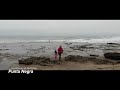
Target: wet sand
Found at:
67, 65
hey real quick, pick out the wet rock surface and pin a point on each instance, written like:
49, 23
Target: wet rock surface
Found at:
113, 43
94, 55
77, 58
78, 47
68, 43
74, 58
82, 47
113, 56
35, 60
4, 49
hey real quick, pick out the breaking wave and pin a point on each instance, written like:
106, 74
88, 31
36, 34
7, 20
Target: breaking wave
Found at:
92, 40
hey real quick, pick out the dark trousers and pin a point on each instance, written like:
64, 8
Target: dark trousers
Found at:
60, 56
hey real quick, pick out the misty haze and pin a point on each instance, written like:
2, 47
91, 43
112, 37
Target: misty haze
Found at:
59, 27
60, 44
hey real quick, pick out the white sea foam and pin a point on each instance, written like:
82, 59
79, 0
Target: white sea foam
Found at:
92, 40
98, 40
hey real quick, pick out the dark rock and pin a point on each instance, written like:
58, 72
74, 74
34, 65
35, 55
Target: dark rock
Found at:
90, 47
114, 56
4, 49
35, 60
78, 47
117, 62
28, 63
94, 55
83, 47
91, 58
112, 43
103, 62
77, 58
74, 58
21, 61
68, 43
108, 49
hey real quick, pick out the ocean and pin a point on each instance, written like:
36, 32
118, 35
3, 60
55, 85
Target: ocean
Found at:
78, 38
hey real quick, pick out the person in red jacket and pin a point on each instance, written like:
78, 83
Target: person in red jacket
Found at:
60, 51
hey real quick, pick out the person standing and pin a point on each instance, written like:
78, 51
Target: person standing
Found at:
55, 55
60, 51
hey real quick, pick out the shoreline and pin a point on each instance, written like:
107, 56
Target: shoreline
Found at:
10, 53
68, 65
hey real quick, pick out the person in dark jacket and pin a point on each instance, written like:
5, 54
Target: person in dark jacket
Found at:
55, 58
60, 51
55, 55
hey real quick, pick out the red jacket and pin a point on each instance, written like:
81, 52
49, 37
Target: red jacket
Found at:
60, 50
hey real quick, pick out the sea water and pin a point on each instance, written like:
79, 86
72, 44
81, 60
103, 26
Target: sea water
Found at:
89, 39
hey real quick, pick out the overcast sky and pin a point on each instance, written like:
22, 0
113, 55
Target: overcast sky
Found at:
59, 27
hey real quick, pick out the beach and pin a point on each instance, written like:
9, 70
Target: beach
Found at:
87, 44
10, 53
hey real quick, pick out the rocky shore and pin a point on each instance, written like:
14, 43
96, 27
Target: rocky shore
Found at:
42, 54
